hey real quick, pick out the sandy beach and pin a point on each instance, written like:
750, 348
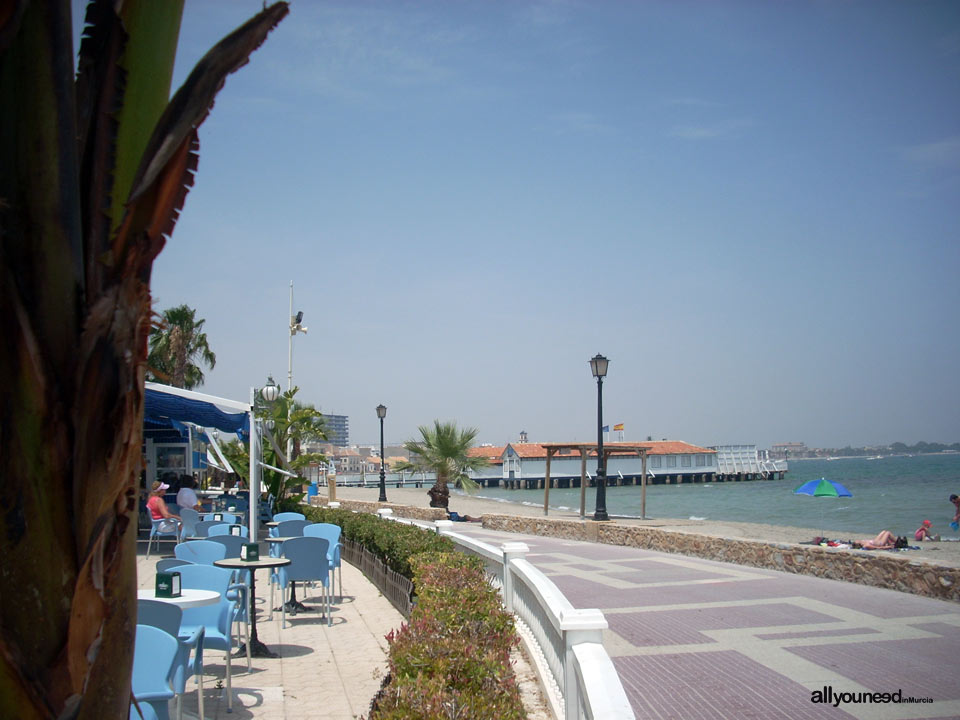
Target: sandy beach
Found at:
941, 553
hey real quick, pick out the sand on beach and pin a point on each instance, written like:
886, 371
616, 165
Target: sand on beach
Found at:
943, 553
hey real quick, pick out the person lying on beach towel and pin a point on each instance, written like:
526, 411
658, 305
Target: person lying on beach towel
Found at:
457, 517
885, 540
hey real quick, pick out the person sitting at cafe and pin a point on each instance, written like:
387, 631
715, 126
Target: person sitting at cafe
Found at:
158, 507
187, 496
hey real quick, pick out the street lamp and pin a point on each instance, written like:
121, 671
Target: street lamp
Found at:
382, 413
295, 327
598, 366
271, 391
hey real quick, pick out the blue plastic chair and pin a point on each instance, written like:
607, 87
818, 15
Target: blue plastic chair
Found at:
233, 544
163, 527
225, 529
216, 619
200, 551
331, 533
188, 522
154, 655
288, 529
167, 564
225, 517
168, 617
143, 711
202, 528
308, 556
280, 517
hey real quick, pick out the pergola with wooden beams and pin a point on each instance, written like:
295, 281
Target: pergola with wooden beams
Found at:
585, 449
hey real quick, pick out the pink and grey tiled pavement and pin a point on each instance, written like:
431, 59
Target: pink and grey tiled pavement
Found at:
695, 639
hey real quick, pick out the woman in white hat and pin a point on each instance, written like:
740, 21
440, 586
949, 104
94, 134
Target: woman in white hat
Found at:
158, 506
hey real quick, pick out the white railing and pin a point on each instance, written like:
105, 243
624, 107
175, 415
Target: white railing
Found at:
566, 644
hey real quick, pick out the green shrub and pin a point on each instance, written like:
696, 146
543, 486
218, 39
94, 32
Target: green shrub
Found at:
453, 658
394, 543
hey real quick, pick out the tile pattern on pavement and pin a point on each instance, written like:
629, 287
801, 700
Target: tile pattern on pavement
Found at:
694, 638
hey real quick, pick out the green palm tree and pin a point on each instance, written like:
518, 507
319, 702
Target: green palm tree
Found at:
176, 346
443, 449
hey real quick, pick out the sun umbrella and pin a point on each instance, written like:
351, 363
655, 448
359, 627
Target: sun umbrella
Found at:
822, 488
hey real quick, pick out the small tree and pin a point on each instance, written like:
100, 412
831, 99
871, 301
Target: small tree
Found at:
444, 450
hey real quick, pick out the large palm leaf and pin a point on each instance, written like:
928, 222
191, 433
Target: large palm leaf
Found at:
92, 178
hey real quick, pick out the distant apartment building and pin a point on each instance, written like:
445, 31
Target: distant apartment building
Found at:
790, 450
337, 428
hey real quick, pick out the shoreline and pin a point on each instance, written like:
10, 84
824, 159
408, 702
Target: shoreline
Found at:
940, 553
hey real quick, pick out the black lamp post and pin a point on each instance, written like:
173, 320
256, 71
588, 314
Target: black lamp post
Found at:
598, 366
382, 413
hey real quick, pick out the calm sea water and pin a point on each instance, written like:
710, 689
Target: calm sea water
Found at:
894, 493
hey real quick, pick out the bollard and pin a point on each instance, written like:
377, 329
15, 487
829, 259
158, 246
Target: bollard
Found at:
443, 526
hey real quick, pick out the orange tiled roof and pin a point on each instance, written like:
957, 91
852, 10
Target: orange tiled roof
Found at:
668, 447
654, 447
493, 453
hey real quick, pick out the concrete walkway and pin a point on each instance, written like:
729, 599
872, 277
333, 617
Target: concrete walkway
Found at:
328, 673
696, 639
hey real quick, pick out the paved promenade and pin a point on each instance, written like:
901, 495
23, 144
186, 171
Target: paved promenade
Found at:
328, 673
695, 639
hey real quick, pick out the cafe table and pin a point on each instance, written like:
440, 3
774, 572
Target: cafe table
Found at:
189, 597
257, 648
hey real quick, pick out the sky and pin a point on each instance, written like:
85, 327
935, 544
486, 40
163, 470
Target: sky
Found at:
752, 209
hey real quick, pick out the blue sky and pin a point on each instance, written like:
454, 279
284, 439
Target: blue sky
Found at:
751, 208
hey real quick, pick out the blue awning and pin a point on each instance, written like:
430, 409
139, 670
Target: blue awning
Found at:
160, 406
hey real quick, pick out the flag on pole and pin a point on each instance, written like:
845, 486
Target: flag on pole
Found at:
606, 428
618, 426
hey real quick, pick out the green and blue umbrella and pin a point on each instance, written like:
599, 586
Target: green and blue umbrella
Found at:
822, 488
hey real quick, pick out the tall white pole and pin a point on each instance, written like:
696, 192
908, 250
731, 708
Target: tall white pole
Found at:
290, 373
254, 507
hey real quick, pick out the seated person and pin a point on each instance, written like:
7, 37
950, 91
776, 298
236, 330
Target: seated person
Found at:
923, 532
885, 540
158, 507
187, 496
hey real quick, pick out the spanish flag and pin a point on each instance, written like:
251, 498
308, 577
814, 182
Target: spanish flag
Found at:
618, 427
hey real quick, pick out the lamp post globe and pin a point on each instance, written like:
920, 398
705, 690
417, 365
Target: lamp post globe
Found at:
598, 366
270, 391
382, 413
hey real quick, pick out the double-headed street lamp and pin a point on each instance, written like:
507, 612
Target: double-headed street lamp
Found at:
598, 366
382, 413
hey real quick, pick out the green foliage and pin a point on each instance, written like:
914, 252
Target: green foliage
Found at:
453, 658
177, 345
443, 450
290, 420
394, 543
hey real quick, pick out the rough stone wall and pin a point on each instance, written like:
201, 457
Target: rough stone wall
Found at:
407, 511
860, 566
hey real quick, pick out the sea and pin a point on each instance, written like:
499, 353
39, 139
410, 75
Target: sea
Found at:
895, 493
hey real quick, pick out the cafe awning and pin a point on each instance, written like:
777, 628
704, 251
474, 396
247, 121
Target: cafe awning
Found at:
165, 403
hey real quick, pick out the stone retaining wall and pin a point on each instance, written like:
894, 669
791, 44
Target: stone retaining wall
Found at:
407, 511
860, 566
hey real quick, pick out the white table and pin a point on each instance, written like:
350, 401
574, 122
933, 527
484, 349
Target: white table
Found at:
189, 597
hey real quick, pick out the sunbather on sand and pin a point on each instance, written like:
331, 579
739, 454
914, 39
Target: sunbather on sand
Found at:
886, 540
